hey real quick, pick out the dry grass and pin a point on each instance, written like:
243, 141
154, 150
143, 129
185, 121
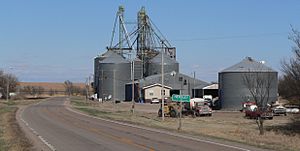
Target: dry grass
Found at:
48, 85
282, 133
11, 136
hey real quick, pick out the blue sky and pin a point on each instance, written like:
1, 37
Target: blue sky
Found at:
56, 40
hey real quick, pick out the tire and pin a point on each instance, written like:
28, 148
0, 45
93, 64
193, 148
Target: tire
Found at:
173, 113
209, 114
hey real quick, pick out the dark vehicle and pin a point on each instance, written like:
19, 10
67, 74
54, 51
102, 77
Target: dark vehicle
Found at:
170, 109
253, 113
202, 110
279, 110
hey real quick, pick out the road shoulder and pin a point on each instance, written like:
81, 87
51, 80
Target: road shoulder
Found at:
38, 145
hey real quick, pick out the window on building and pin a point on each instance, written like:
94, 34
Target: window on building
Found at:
151, 93
180, 78
163, 92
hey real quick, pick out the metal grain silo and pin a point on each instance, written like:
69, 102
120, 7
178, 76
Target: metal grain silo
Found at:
114, 73
232, 88
154, 65
138, 69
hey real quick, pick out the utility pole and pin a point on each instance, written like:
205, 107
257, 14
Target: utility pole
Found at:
162, 82
202, 92
7, 87
194, 85
102, 78
132, 85
114, 83
86, 89
180, 113
89, 84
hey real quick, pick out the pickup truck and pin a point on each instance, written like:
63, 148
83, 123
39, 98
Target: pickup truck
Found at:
253, 113
204, 110
279, 110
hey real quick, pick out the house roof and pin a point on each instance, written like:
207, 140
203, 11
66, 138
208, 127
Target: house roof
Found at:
172, 80
156, 84
212, 86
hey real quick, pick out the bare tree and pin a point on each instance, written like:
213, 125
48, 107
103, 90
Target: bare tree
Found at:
8, 80
76, 90
40, 90
27, 90
259, 85
51, 92
69, 87
289, 86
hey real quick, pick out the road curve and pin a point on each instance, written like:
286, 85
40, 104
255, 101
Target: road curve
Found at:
64, 130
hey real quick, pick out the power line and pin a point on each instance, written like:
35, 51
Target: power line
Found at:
234, 37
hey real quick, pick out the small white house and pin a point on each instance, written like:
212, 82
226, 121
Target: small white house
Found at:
153, 91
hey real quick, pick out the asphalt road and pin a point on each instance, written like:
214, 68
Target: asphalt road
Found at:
65, 130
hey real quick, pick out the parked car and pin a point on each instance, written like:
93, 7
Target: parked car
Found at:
279, 110
154, 101
252, 112
245, 105
295, 110
202, 110
292, 109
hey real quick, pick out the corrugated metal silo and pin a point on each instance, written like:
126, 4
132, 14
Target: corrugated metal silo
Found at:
114, 73
138, 69
154, 65
232, 88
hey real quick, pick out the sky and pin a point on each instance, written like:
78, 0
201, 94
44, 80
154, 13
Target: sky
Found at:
56, 40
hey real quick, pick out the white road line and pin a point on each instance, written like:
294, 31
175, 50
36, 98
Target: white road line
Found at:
51, 147
157, 131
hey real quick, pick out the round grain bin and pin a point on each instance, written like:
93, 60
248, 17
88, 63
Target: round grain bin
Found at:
234, 90
138, 72
114, 72
154, 65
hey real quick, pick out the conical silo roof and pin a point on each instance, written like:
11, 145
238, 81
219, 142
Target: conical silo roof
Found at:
167, 59
112, 57
248, 65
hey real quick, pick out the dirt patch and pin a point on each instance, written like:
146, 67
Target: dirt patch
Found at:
225, 125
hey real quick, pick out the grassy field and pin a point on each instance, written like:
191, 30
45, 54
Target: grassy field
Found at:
11, 136
282, 133
49, 85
